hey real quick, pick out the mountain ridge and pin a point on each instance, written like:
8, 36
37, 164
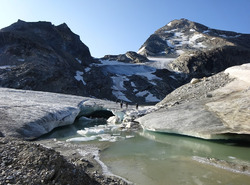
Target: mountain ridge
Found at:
44, 57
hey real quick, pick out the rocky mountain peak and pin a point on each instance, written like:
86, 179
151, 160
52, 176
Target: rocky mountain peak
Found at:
182, 24
182, 36
42, 56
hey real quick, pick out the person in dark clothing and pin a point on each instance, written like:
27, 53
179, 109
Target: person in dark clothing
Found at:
126, 105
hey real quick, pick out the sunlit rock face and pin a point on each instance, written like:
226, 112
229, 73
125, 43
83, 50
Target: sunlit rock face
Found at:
206, 114
196, 49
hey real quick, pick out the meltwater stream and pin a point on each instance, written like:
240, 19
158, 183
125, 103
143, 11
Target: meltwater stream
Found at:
148, 158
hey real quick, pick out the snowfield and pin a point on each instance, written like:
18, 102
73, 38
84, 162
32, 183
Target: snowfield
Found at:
121, 72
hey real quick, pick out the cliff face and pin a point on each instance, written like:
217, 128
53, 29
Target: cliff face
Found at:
41, 56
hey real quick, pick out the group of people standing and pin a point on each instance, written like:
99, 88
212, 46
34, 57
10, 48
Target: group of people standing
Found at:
126, 104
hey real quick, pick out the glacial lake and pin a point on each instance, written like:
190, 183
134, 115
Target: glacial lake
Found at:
149, 158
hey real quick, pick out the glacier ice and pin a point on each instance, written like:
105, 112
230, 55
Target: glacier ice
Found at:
30, 114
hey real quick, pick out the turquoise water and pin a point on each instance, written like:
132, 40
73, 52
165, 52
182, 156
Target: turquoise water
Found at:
149, 158
162, 159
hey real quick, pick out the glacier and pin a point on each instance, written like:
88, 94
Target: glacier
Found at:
120, 73
31, 114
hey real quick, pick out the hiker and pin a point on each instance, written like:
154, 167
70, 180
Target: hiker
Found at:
126, 105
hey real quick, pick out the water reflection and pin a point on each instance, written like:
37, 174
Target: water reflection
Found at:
193, 146
160, 159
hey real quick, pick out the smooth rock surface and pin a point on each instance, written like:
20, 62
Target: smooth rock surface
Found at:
225, 111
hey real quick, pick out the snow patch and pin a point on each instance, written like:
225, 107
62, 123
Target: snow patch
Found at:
195, 37
132, 84
20, 60
180, 39
173, 77
141, 50
225, 36
169, 24
7, 67
120, 95
170, 43
87, 69
118, 82
78, 60
206, 31
150, 76
179, 51
149, 97
79, 77
142, 93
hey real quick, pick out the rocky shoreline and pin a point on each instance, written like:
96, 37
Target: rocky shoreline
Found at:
24, 162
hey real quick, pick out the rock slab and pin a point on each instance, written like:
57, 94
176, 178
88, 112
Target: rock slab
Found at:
226, 111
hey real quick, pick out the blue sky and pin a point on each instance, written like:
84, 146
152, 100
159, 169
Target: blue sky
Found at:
117, 26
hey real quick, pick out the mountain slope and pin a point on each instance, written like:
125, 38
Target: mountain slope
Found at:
195, 49
44, 57
41, 56
180, 36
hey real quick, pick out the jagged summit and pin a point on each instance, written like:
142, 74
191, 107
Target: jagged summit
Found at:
192, 48
183, 24
180, 36
42, 56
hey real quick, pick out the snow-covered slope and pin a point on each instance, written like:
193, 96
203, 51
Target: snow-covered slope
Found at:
121, 72
144, 83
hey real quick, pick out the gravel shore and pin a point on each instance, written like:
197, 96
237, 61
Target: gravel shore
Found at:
25, 162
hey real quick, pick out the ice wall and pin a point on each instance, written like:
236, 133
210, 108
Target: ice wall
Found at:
30, 114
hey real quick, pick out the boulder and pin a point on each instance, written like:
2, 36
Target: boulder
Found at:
223, 115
